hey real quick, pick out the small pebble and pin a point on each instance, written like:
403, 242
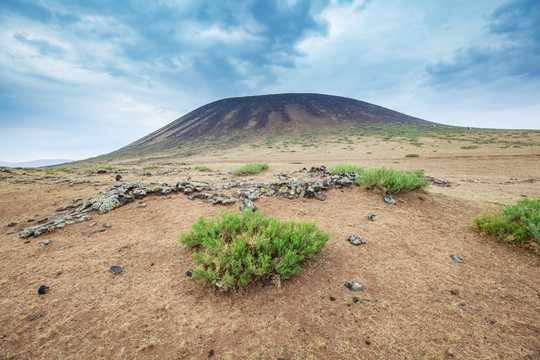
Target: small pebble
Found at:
355, 300
92, 224
35, 317
454, 292
368, 342
354, 286
332, 298
356, 240
106, 225
118, 177
371, 217
43, 290
456, 259
116, 270
47, 242
142, 205
210, 353
189, 273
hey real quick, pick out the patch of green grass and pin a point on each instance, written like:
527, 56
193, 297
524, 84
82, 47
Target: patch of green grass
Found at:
412, 155
518, 223
147, 167
392, 181
202, 168
345, 168
236, 250
50, 171
67, 170
470, 147
5, 169
250, 168
108, 168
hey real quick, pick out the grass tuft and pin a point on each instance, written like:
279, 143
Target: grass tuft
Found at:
345, 168
392, 181
470, 147
237, 250
202, 168
412, 155
519, 223
250, 168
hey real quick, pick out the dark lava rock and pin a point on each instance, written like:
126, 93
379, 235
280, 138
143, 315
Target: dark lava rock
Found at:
102, 171
11, 224
454, 292
116, 270
388, 199
320, 197
189, 273
30, 220
371, 217
354, 286
43, 290
528, 181
456, 259
118, 177
368, 342
211, 353
332, 298
356, 240
355, 300
35, 317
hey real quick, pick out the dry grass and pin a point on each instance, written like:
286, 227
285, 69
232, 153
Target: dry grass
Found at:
152, 310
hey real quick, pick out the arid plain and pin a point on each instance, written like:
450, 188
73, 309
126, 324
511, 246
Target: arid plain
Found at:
417, 302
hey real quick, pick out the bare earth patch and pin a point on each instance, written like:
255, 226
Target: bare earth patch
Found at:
417, 301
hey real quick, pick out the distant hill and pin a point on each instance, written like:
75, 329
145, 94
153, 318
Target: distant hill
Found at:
231, 121
35, 163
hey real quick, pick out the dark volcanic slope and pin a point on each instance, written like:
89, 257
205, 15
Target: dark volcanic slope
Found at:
232, 120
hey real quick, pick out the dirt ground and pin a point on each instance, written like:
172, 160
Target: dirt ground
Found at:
152, 310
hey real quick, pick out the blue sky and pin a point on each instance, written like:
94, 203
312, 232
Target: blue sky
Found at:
82, 78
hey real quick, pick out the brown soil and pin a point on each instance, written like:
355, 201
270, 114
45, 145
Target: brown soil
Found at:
407, 311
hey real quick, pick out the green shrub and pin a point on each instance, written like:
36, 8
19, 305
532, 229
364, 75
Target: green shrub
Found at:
202, 168
412, 155
5, 169
470, 147
237, 250
345, 168
251, 168
50, 171
108, 167
514, 223
67, 170
392, 181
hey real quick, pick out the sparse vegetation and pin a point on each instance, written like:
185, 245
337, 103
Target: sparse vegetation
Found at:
345, 168
250, 168
202, 168
519, 223
108, 167
392, 181
240, 249
147, 167
67, 170
412, 155
5, 169
470, 147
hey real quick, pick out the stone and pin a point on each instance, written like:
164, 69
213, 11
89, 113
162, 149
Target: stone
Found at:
92, 224
42, 290
142, 205
371, 217
454, 292
355, 300
64, 247
356, 240
106, 225
354, 286
118, 177
332, 298
11, 224
320, 197
388, 199
189, 273
47, 242
247, 205
456, 258
116, 270
85, 218
35, 317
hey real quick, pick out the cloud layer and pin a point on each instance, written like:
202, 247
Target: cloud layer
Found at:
99, 75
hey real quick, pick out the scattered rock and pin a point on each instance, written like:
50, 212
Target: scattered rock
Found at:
211, 353
189, 273
368, 342
106, 225
247, 205
528, 181
43, 290
438, 182
388, 199
64, 247
47, 242
116, 270
35, 317
355, 300
118, 177
320, 197
456, 258
354, 286
332, 298
371, 217
11, 224
142, 205
102, 171
92, 224
454, 292
356, 240
30, 220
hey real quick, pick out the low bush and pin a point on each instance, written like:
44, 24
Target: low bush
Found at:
251, 168
237, 250
5, 169
345, 168
412, 155
515, 223
392, 181
67, 170
470, 147
202, 168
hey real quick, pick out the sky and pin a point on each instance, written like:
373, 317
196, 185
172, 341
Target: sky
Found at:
83, 78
